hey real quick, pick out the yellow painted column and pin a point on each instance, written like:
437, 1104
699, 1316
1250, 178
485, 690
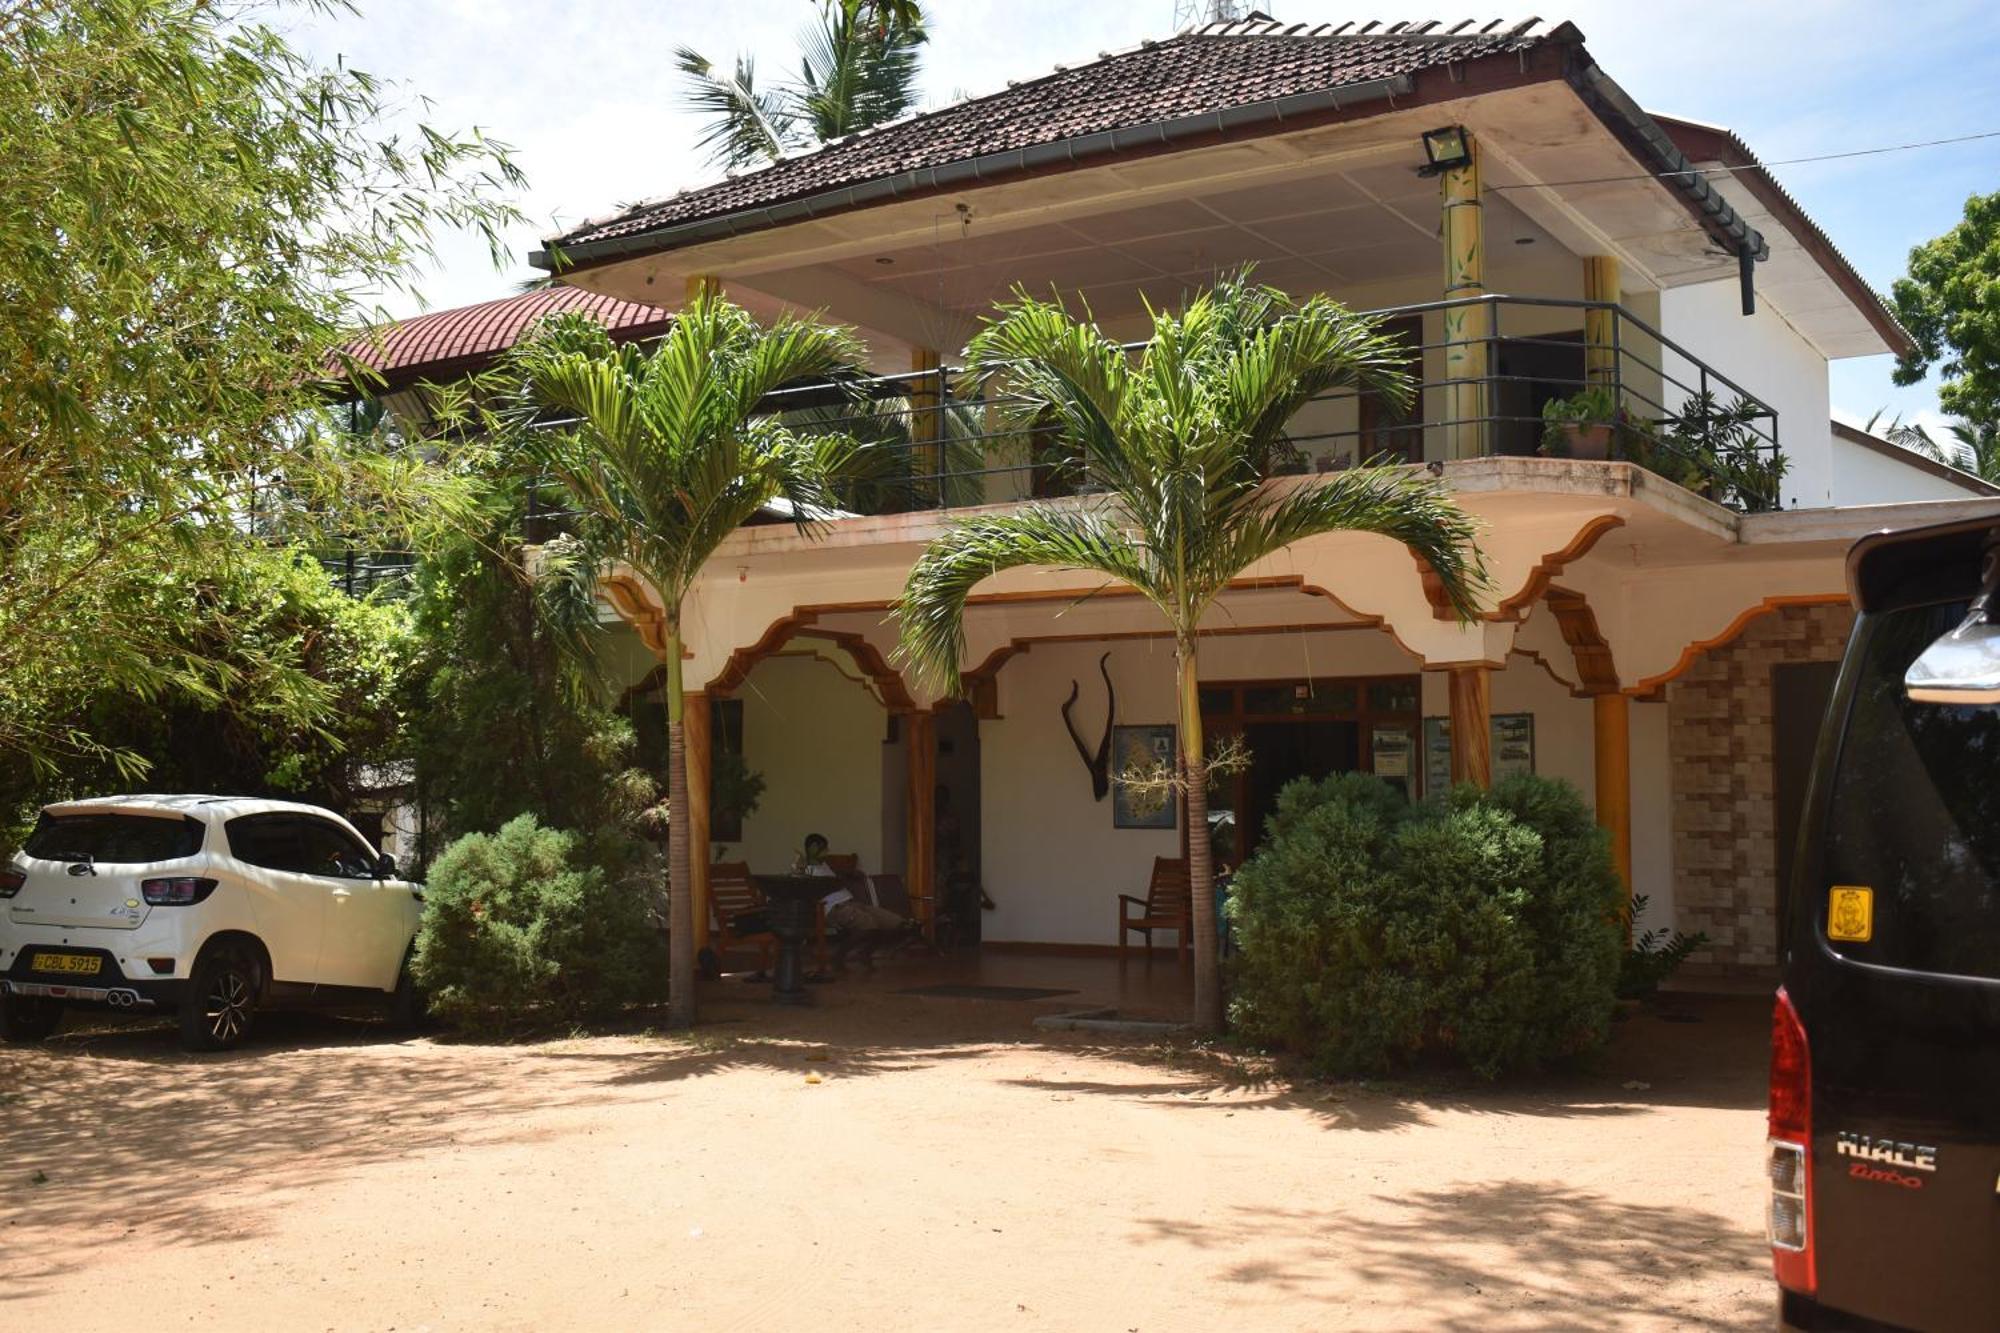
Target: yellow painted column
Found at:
1468, 330
1471, 690
698, 283
1600, 353
1611, 719
696, 744
926, 432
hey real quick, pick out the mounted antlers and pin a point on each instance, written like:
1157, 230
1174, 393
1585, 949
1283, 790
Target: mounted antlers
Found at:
1100, 764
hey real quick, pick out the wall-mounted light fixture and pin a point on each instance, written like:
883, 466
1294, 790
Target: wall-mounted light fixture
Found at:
1444, 149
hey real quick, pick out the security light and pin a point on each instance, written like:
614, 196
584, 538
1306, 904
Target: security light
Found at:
1446, 148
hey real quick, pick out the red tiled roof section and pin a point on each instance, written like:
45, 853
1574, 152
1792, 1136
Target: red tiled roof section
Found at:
444, 343
1202, 72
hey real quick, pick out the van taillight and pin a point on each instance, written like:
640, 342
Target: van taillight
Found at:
181, 891
1790, 1149
11, 882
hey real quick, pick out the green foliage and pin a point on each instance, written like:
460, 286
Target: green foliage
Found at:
509, 716
300, 690
666, 457
1373, 934
1653, 955
1948, 303
857, 68
189, 209
530, 924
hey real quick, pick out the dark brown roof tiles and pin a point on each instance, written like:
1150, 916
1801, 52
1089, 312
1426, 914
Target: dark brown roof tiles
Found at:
1204, 71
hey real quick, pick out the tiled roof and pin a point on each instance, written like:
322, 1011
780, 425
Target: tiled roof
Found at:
443, 343
1205, 71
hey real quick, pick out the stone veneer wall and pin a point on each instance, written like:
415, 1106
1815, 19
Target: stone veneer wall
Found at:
1720, 748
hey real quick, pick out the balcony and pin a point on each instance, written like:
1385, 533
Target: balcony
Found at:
1494, 375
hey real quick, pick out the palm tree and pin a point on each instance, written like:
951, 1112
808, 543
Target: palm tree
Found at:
667, 455
857, 68
1180, 445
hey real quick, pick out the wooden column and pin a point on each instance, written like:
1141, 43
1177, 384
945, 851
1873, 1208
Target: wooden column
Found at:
697, 744
1600, 327
1468, 330
1611, 719
698, 283
1472, 724
926, 431
920, 804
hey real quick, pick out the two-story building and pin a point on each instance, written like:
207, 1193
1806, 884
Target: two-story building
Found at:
1664, 619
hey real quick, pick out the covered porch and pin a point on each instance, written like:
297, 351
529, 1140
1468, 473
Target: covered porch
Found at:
1614, 594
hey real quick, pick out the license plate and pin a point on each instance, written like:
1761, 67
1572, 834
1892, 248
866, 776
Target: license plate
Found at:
70, 964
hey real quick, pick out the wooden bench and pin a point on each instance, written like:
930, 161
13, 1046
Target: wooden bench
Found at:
1168, 905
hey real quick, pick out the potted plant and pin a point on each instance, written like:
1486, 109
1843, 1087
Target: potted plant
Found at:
1581, 426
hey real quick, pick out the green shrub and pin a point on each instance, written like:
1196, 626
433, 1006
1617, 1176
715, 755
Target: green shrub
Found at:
533, 924
1372, 934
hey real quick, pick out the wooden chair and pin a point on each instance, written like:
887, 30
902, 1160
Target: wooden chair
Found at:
731, 892
1166, 906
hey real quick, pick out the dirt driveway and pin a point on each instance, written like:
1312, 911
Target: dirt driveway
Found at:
883, 1161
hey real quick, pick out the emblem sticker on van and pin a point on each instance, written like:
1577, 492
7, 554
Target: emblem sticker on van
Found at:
1884, 1161
1850, 913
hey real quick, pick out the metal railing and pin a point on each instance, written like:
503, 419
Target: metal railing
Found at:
1491, 375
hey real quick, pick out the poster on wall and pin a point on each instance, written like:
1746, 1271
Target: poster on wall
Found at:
1145, 753
1513, 750
1437, 757
1389, 748
1513, 745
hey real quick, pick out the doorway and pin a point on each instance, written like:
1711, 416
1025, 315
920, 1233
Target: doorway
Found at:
1295, 729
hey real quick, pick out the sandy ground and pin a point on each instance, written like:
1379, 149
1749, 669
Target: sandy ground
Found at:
881, 1161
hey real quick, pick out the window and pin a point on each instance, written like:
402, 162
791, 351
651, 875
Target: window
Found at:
114, 839
1915, 814
299, 845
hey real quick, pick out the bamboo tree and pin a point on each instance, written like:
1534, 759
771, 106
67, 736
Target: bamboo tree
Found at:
667, 454
1180, 443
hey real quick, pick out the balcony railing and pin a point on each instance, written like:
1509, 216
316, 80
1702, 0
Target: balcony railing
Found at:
1492, 375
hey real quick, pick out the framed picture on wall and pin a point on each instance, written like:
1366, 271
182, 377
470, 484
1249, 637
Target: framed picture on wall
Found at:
1513, 750
1146, 753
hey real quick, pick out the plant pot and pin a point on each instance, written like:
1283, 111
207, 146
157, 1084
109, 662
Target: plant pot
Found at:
1588, 440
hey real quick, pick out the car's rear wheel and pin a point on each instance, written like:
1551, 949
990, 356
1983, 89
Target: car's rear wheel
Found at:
221, 999
28, 1018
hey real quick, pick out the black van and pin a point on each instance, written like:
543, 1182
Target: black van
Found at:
1885, 1044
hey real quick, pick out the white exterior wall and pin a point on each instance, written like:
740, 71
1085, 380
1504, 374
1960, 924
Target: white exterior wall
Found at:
1862, 476
1055, 865
1771, 359
816, 736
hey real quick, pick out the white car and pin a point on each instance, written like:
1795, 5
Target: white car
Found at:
207, 906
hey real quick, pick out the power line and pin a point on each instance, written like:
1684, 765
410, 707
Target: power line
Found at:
1752, 166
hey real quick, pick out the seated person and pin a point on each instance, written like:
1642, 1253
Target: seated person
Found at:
854, 924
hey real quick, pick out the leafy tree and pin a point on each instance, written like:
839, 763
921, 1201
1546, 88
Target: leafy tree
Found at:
509, 717
1180, 444
1948, 304
190, 211
665, 457
272, 629
857, 68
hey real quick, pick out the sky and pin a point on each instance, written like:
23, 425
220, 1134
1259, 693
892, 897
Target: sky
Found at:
585, 93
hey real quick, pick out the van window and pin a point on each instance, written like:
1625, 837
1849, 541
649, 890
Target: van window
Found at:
114, 839
1915, 813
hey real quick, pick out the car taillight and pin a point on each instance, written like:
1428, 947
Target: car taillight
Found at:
11, 882
181, 891
1790, 1146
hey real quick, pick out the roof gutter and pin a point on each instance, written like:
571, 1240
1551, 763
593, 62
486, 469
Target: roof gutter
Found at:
976, 171
1643, 135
